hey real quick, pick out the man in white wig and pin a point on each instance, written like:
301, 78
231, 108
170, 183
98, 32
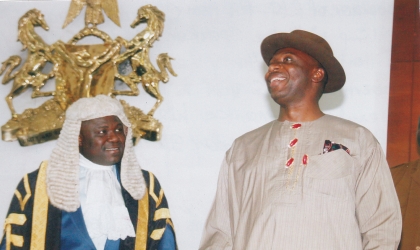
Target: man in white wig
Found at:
92, 193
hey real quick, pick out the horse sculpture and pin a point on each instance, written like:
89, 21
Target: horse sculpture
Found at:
30, 75
150, 79
142, 69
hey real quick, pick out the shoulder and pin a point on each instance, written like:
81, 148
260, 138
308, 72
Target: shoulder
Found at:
150, 179
252, 139
30, 177
157, 197
408, 165
22, 201
252, 135
356, 135
33, 175
400, 168
246, 146
403, 175
344, 124
398, 172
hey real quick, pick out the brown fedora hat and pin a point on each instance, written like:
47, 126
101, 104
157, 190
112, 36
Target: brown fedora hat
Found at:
312, 45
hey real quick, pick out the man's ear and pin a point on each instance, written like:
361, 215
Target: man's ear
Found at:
318, 75
80, 140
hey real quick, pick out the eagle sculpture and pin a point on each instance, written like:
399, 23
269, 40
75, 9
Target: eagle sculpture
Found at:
94, 9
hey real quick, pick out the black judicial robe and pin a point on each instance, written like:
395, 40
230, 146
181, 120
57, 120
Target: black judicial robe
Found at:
33, 221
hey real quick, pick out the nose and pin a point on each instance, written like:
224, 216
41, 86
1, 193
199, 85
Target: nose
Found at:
112, 136
274, 67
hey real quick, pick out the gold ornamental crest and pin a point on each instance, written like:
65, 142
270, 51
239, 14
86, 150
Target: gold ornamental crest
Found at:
84, 71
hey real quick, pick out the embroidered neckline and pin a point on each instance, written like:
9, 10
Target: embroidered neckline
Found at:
290, 163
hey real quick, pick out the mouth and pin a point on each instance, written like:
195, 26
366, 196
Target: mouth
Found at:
113, 150
277, 78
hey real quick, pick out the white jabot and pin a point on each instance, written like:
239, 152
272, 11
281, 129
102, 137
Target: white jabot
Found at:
104, 212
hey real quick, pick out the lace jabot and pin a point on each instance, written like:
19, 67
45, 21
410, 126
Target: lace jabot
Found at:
104, 212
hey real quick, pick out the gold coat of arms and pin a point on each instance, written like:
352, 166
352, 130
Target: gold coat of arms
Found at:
84, 71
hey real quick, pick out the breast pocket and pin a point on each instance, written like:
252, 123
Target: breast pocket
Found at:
329, 175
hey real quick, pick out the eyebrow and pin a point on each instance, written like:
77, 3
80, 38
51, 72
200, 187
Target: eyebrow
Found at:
284, 53
107, 126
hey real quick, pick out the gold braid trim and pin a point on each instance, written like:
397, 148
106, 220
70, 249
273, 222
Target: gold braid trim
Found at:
157, 233
162, 213
142, 223
40, 212
12, 239
22, 202
152, 191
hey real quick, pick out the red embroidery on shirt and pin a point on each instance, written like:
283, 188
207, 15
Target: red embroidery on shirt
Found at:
296, 126
305, 160
293, 143
289, 162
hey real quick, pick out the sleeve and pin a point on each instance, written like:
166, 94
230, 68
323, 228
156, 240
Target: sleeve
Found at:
377, 207
217, 230
161, 228
3, 243
168, 240
17, 226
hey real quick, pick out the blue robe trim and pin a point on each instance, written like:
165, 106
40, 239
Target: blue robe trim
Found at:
168, 240
75, 236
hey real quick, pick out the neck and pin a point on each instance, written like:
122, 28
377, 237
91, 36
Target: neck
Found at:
300, 113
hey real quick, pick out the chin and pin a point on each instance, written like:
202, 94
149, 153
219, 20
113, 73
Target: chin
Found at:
113, 162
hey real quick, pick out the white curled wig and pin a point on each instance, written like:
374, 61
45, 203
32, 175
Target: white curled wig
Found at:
63, 168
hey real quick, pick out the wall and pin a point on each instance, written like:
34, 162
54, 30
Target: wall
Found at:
220, 92
404, 99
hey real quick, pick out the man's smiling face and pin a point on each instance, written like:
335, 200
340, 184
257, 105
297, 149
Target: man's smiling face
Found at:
289, 75
102, 140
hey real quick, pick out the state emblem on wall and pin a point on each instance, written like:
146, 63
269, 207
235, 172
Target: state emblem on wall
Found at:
84, 71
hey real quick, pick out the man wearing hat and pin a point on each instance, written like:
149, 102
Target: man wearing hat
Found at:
307, 180
92, 193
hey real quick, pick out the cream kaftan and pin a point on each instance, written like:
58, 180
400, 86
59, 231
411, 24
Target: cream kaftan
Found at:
331, 201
